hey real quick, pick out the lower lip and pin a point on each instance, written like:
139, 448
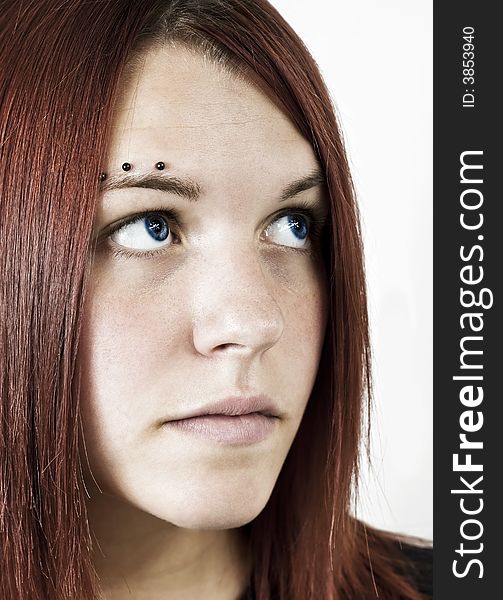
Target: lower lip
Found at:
242, 429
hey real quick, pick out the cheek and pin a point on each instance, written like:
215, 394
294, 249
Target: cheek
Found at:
127, 341
126, 312
305, 309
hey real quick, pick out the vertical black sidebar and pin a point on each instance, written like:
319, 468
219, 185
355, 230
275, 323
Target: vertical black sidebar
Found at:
468, 268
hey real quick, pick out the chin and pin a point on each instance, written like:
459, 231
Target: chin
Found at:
209, 511
232, 519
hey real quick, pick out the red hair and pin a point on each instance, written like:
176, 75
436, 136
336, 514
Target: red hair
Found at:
61, 64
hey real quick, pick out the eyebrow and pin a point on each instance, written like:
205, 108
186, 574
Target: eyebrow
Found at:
181, 186
190, 190
311, 180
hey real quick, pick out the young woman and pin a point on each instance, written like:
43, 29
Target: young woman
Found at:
184, 337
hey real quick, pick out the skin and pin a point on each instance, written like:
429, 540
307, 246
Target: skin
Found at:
228, 310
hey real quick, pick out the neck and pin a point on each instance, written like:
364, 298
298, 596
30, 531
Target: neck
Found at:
138, 554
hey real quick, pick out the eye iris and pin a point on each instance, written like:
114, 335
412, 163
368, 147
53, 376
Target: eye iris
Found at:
298, 225
157, 227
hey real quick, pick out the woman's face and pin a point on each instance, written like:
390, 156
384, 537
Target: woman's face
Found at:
216, 294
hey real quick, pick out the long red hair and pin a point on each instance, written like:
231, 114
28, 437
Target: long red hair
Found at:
61, 62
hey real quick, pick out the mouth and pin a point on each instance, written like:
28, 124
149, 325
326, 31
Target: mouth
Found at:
235, 406
232, 421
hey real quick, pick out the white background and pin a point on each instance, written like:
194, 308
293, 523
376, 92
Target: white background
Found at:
376, 58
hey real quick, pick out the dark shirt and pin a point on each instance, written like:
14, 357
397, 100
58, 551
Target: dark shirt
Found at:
420, 570
421, 559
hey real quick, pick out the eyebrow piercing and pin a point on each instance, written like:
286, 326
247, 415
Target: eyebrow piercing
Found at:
160, 166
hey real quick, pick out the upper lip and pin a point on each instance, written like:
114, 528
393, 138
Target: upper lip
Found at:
235, 406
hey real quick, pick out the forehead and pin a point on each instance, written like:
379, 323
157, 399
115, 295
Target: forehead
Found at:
181, 108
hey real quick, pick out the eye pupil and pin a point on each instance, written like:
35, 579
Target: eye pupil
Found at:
157, 227
298, 225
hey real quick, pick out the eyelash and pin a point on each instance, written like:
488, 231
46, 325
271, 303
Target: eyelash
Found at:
313, 215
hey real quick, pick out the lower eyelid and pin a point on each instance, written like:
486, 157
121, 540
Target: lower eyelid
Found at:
123, 252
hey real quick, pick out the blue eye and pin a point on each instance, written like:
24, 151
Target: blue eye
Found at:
157, 228
144, 232
289, 230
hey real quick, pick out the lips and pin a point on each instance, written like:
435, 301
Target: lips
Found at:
234, 406
233, 421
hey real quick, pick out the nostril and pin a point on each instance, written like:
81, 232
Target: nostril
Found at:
230, 346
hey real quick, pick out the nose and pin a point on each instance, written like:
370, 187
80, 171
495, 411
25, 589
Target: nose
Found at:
234, 310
